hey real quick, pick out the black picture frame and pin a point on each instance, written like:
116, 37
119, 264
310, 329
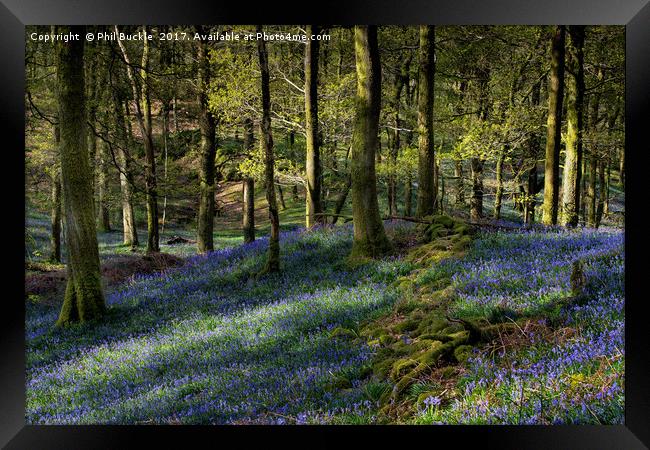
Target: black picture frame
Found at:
15, 14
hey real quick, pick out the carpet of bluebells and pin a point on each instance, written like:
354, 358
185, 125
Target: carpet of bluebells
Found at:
211, 343
574, 376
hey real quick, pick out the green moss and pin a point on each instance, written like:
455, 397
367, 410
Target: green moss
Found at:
462, 243
343, 332
386, 339
409, 324
444, 220
401, 367
382, 367
462, 352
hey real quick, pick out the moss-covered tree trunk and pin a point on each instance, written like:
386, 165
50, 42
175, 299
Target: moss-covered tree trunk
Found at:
84, 299
248, 213
369, 235
207, 150
573, 155
476, 201
314, 207
266, 141
426, 159
55, 208
554, 125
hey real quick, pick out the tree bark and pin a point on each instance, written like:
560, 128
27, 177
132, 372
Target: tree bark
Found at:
207, 150
476, 201
313, 166
460, 186
248, 216
554, 125
266, 141
499, 192
103, 188
426, 159
573, 155
55, 237
369, 235
84, 298
130, 234
143, 114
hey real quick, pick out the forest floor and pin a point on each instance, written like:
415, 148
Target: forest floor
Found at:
327, 341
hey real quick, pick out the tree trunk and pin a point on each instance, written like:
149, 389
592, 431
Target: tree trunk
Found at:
531, 191
460, 187
573, 156
499, 193
426, 160
476, 201
266, 140
408, 195
143, 114
84, 299
103, 188
130, 234
248, 216
591, 192
554, 126
340, 202
313, 192
369, 235
204, 241
601, 192
55, 238
283, 205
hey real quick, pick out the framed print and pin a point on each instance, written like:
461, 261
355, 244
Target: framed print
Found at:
394, 220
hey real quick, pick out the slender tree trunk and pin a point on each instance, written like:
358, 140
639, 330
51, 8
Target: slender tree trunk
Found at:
143, 114
313, 166
248, 216
55, 238
84, 299
460, 186
531, 191
249, 209
266, 140
573, 156
426, 160
340, 202
499, 192
601, 192
554, 125
165, 133
408, 195
369, 235
103, 188
130, 234
591, 191
207, 126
